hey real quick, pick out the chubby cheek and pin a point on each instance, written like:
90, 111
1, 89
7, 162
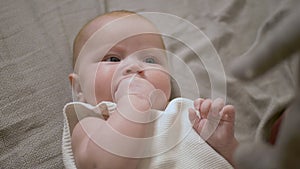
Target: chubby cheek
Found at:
103, 81
160, 80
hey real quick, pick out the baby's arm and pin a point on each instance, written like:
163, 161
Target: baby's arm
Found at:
215, 125
88, 154
131, 97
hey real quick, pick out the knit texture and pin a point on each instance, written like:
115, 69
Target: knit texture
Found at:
175, 143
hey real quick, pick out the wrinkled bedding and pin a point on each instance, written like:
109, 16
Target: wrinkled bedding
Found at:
36, 57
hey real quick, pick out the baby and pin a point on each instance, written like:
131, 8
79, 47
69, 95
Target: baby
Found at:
122, 84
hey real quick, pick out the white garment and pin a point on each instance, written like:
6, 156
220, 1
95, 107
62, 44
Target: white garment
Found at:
175, 144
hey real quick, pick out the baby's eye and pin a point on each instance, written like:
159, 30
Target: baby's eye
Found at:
150, 60
111, 59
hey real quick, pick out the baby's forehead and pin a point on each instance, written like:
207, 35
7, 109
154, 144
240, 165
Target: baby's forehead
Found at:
114, 23
111, 29
120, 20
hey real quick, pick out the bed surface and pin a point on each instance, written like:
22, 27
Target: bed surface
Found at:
36, 57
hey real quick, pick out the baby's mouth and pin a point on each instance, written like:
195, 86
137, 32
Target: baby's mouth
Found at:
120, 81
133, 87
117, 85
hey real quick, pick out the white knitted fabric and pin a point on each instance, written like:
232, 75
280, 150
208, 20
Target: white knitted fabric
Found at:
190, 151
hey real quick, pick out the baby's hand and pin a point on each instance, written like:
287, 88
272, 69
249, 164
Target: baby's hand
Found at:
215, 125
213, 115
134, 86
141, 93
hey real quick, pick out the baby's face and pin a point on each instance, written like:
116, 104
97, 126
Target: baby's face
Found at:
141, 56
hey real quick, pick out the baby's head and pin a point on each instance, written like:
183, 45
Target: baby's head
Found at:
113, 47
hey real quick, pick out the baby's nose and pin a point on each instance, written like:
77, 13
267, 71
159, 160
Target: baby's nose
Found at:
132, 69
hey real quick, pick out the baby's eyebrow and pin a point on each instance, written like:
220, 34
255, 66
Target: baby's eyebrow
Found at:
117, 48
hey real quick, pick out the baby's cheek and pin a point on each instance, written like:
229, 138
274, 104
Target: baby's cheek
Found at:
103, 86
160, 80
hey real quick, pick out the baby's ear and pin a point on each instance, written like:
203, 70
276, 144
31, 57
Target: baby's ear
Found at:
76, 87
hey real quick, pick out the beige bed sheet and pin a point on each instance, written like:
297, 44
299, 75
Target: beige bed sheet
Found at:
35, 60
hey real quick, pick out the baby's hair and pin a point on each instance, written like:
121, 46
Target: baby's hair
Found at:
111, 13
120, 12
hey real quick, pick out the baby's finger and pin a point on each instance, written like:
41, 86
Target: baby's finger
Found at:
194, 118
197, 122
200, 126
214, 112
205, 107
197, 103
216, 107
228, 113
